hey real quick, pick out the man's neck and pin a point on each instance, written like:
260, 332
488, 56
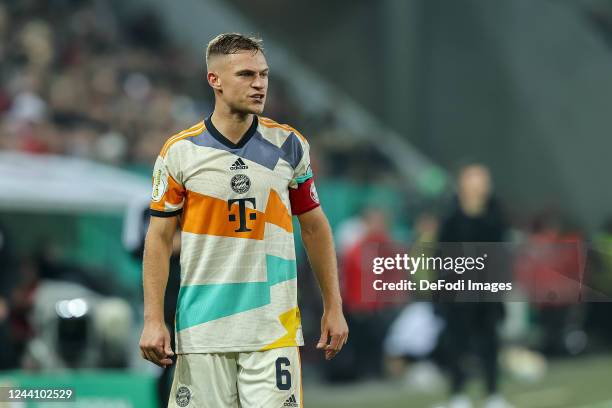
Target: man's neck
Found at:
232, 125
473, 207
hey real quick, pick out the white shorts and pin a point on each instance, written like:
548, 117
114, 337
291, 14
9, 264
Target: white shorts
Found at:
257, 379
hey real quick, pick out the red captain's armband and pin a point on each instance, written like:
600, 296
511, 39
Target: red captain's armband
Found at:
303, 198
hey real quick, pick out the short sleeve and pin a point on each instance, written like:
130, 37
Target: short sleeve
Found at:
302, 191
168, 194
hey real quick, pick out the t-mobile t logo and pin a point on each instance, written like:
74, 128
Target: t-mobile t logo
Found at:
242, 212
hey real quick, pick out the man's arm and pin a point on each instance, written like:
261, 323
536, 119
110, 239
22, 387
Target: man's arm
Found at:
155, 339
319, 244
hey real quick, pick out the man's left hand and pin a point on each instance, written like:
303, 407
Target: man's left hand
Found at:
334, 332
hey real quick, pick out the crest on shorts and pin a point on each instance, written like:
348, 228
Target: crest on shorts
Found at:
183, 396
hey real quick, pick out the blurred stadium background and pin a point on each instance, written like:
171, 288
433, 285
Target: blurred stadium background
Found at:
393, 95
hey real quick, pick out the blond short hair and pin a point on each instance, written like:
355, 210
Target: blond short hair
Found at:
231, 43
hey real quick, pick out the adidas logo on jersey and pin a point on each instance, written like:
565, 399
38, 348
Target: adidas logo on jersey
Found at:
291, 402
239, 165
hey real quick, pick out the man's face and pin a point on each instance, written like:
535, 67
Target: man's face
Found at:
475, 183
241, 80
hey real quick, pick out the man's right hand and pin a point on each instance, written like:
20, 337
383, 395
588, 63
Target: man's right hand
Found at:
155, 344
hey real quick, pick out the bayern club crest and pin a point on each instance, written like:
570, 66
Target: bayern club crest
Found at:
183, 396
240, 183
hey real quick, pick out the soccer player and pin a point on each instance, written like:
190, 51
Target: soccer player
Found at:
232, 182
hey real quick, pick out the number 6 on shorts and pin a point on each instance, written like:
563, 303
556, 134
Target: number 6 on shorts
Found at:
283, 377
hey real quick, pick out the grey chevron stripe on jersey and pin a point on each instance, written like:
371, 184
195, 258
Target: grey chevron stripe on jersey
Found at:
257, 149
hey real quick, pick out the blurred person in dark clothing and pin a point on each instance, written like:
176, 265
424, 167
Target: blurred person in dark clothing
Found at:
472, 327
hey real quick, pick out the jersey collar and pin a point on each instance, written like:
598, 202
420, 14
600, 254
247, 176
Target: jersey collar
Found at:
224, 140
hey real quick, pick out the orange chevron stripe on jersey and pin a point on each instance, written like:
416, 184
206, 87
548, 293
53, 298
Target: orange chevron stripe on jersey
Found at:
276, 212
269, 123
208, 215
182, 132
273, 124
192, 131
174, 195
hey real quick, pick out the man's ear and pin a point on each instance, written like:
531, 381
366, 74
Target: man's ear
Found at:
213, 80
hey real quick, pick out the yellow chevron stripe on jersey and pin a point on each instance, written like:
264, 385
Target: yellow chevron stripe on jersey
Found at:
291, 321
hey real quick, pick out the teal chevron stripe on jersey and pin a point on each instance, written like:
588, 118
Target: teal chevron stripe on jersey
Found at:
199, 304
202, 303
280, 270
305, 177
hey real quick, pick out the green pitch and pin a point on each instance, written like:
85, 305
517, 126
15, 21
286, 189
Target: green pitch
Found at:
581, 382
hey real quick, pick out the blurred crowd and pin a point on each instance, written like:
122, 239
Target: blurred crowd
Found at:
76, 82
79, 79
